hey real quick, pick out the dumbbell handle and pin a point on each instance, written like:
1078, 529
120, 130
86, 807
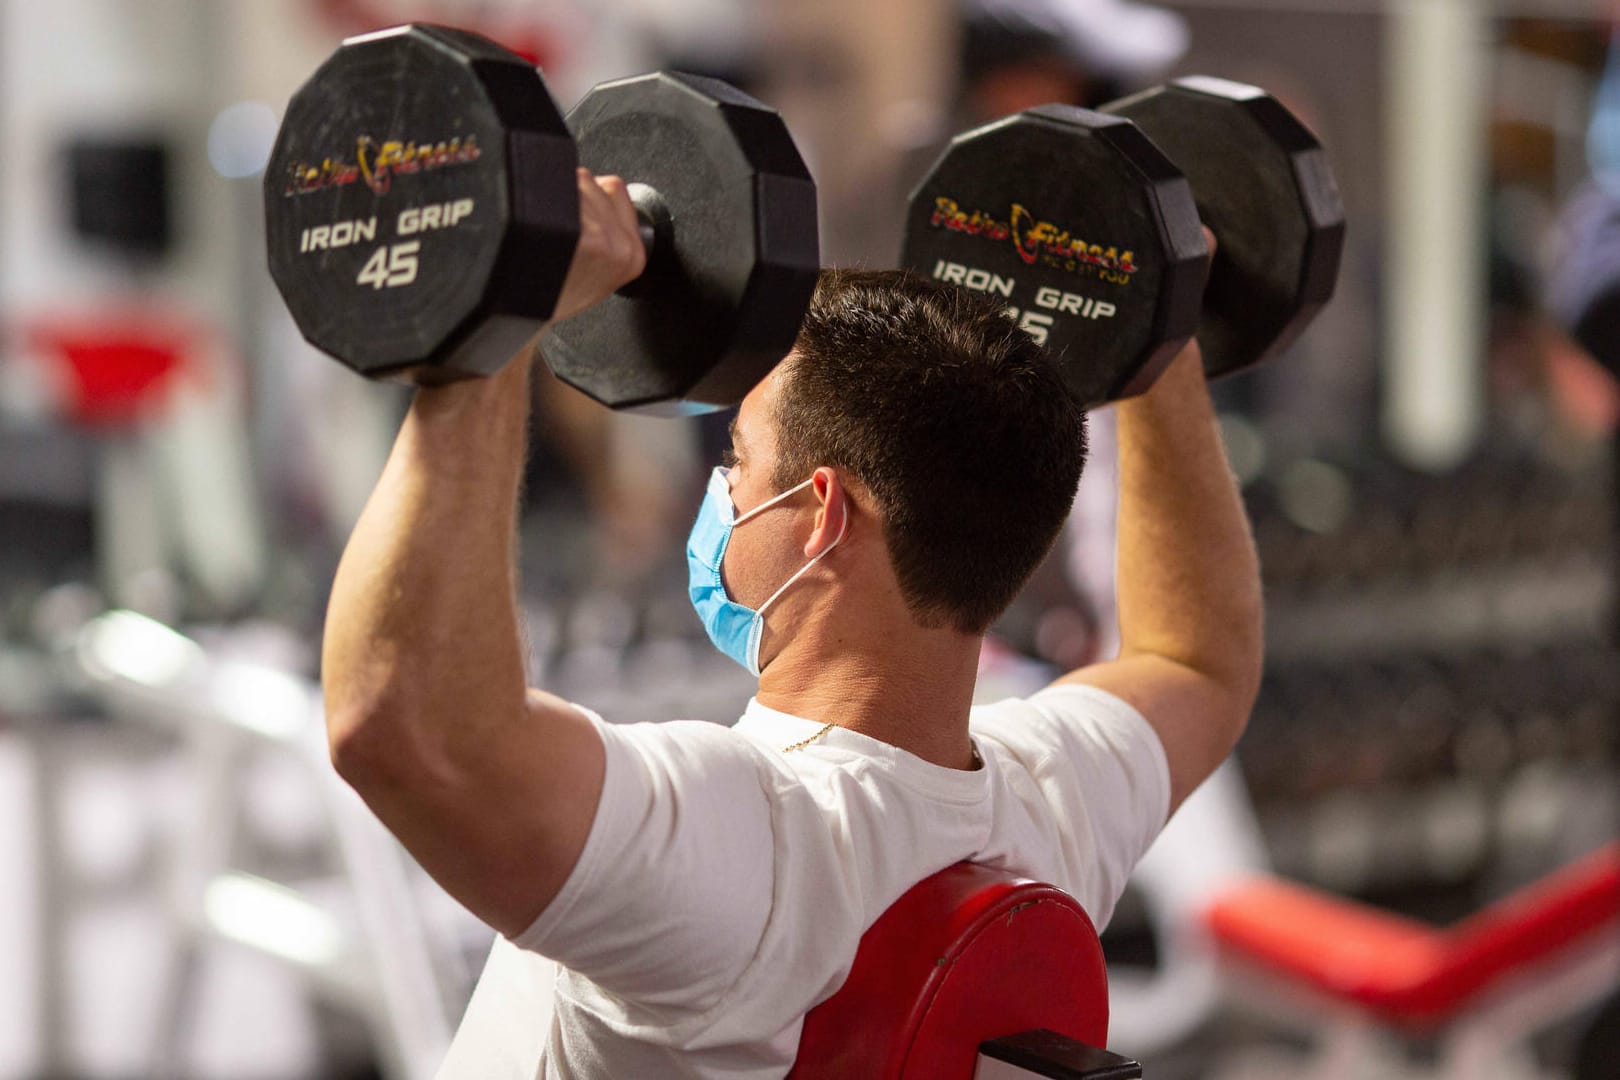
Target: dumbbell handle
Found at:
652, 220
652, 214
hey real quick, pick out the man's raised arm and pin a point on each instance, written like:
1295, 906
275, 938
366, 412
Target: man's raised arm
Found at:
1188, 579
491, 786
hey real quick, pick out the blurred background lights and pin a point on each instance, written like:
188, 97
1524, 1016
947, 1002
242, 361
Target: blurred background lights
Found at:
240, 138
1245, 447
1314, 495
135, 647
268, 916
263, 700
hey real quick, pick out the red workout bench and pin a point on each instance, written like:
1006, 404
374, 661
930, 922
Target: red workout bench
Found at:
1543, 952
973, 974
115, 370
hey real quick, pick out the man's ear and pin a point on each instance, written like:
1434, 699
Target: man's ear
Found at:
833, 513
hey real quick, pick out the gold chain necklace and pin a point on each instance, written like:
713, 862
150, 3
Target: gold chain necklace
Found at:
978, 762
802, 743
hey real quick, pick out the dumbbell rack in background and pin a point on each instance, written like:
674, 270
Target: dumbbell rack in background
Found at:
1439, 723
1441, 695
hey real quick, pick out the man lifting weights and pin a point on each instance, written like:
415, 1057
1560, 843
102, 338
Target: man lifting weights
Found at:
685, 892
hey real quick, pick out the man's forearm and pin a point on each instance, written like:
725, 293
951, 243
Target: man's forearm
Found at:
422, 643
1188, 576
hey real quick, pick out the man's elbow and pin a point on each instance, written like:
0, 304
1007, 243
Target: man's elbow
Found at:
1233, 662
1251, 662
350, 742
1245, 671
371, 744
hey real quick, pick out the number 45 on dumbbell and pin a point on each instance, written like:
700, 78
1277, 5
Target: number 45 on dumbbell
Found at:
1087, 225
421, 208
422, 211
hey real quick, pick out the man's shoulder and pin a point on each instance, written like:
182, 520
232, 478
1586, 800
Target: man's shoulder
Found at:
1068, 721
1055, 702
684, 744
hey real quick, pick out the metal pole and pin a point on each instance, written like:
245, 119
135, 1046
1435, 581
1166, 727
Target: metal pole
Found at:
1433, 402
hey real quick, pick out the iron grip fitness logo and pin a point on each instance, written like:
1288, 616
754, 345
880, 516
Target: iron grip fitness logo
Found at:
376, 163
1037, 242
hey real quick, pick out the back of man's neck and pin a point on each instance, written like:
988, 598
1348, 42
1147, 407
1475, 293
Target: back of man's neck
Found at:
917, 703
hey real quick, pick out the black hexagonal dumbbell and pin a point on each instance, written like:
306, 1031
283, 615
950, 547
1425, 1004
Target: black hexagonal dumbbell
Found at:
1085, 229
422, 211
1265, 189
1087, 224
733, 255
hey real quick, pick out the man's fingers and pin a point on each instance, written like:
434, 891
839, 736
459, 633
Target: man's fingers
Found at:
610, 253
592, 200
605, 206
618, 193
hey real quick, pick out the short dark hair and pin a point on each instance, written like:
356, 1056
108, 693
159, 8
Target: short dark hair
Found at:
952, 417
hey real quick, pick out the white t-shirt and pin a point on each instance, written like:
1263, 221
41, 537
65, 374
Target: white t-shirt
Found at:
725, 884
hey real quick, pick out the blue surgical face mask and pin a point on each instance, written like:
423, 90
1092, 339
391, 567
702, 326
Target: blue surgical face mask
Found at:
734, 628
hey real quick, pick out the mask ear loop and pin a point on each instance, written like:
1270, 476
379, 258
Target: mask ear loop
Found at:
756, 634
738, 519
844, 528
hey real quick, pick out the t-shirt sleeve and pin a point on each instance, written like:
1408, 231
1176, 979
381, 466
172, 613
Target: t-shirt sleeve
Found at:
672, 891
1100, 772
